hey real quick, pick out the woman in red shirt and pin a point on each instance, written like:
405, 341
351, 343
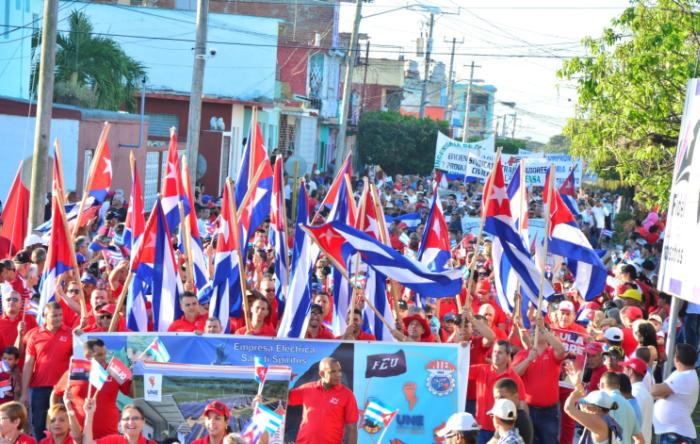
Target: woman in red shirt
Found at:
63, 428
13, 421
132, 422
216, 417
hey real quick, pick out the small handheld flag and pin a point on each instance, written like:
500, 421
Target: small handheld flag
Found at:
260, 373
5, 387
98, 375
158, 351
118, 370
79, 369
380, 414
5, 367
267, 419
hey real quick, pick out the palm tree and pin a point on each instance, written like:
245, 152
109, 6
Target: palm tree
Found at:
94, 71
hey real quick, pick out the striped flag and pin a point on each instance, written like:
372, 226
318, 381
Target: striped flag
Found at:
267, 419
98, 375
260, 370
79, 369
378, 413
5, 387
158, 351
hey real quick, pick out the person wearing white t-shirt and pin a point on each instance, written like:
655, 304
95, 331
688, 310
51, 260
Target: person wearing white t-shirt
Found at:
636, 369
676, 398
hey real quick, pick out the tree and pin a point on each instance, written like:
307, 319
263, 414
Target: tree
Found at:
398, 143
631, 89
559, 143
93, 71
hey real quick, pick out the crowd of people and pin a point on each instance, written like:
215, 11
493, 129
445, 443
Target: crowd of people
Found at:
587, 369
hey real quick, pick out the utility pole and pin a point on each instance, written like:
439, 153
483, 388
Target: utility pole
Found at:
347, 82
428, 50
194, 116
44, 107
450, 85
512, 130
363, 93
467, 102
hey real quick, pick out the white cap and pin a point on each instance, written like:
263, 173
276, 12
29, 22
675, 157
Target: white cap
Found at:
598, 398
613, 334
567, 305
33, 239
458, 422
504, 409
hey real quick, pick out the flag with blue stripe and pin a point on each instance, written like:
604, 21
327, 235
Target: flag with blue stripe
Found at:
267, 419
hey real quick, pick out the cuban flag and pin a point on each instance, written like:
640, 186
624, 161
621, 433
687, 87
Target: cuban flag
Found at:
507, 242
434, 251
101, 170
253, 188
304, 256
267, 419
154, 268
58, 254
410, 219
15, 217
340, 241
73, 215
441, 179
226, 297
278, 235
135, 222
567, 240
344, 174
370, 223
173, 191
98, 375
379, 413
158, 351
567, 191
260, 370
199, 263
5, 387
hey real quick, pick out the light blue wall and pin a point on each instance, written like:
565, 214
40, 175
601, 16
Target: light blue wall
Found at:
17, 17
246, 47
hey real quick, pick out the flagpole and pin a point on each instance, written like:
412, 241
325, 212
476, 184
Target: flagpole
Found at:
523, 213
547, 222
480, 239
241, 264
71, 246
381, 222
93, 166
360, 224
120, 301
379, 315
283, 221
253, 137
295, 190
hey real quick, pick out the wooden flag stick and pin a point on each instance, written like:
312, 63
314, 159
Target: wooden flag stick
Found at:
91, 174
120, 301
283, 216
480, 238
547, 222
249, 191
241, 263
185, 224
379, 315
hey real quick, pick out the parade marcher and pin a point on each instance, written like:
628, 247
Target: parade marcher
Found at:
132, 421
417, 329
258, 313
330, 409
506, 388
460, 428
62, 425
593, 414
192, 319
13, 421
216, 418
316, 329
504, 415
354, 329
624, 414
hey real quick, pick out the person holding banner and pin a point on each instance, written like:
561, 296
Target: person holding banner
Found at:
132, 421
107, 418
216, 418
316, 329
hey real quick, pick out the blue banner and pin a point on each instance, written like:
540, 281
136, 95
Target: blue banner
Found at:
422, 384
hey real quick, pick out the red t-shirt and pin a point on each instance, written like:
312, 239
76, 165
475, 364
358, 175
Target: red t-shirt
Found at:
121, 439
49, 439
70, 318
205, 440
52, 353
485, 377
8, 328
362, 336
629, 343
182, 325
265, 330
541, 378
596, 374
326, 412
323, 333
106, 417
25, 439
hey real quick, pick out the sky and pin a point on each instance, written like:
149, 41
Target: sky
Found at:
541, 33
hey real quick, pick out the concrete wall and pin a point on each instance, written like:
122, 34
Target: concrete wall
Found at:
16, 27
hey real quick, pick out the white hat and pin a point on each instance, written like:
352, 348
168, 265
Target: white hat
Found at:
33, 239
598, 398
504, 409
567, 305
613, 334
459, 422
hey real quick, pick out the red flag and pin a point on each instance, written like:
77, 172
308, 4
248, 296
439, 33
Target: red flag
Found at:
118, 370
79, 369
101, 170
15, 216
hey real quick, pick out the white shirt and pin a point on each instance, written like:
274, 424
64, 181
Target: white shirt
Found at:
599, 214
672, 414
646, 406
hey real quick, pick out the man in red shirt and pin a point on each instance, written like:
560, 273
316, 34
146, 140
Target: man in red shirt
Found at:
539, 369
11, 319
107, 411
486, 376
330, 409
316, 329
594, 366
216, 419
354, 330
49, 350
192, 318
417, 329
258, 313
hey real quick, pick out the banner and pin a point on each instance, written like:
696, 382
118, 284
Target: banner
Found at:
575, 345
451, 155
426, 383
679, 261
480, 164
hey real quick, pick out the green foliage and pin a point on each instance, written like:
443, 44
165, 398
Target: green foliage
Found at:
93, 71
511, 146
559, 143
631, 89
398, 143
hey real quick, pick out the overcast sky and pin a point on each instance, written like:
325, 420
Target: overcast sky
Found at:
551, 29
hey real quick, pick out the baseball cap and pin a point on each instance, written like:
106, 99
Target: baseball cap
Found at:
566, 306
615, 350
637, 365
217, 407
87, 278
458, 422
598, 398
613, 334
504, 409
594, 348
32, 240
634, 313
632, 293
316, 307
656, 317
22, 258
449, 317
